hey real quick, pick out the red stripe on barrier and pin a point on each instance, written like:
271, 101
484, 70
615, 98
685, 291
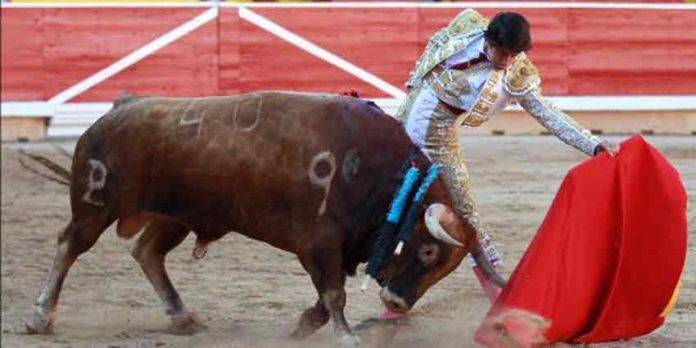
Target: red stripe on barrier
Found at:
382, 42
578, 51
186, 67
22, 59
632, 52
271, 63
229, 51
80, 42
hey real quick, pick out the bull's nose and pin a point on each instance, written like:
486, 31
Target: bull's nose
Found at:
393, 302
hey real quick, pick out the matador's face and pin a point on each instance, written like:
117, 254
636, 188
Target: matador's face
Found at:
499, 56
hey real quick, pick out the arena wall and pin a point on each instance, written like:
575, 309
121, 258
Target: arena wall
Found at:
618, 67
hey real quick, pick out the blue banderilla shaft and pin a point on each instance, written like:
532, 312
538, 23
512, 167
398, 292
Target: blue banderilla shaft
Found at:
397, 206
388, 227
407, 226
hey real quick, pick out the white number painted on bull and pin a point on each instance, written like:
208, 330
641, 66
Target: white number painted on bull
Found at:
238, 126
95, 181
323, 181
190, 117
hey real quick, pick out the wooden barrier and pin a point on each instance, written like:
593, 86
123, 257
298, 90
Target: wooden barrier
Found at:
82, 53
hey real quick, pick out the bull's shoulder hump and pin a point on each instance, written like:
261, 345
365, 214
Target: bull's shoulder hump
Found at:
305, 96
125, 98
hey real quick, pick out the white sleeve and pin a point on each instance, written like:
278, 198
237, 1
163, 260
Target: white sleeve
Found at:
558, 123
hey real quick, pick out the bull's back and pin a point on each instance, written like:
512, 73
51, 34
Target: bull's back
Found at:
260, 161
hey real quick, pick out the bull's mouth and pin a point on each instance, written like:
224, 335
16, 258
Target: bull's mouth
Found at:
393, 302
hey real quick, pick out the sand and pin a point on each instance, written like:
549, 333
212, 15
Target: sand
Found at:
251, 295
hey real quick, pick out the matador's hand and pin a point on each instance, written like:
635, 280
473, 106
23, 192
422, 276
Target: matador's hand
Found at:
610, 147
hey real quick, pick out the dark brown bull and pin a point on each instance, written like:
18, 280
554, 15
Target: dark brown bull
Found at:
307, 173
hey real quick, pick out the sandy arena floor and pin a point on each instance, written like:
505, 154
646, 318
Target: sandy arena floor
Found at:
251, 295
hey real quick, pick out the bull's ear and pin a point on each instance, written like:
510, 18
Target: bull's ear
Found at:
435, 216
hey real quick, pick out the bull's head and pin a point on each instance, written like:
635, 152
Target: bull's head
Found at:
439, 242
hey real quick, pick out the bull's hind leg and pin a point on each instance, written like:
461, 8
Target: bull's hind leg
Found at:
161, 236
78, 237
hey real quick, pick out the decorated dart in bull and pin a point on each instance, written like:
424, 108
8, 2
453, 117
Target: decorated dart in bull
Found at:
410, 218
388, 227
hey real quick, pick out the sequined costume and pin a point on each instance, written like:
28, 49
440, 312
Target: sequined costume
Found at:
444, 96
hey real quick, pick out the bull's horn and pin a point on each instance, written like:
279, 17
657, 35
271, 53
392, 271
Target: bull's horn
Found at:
432, 222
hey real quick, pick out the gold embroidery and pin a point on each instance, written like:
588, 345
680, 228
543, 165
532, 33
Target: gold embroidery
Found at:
406, 105
474, 122
495, 78
442, 147
489, 95
449, 40
521, 76
481, 110
464, 21
449, 84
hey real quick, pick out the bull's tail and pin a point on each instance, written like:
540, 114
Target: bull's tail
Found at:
61, 174
485, 265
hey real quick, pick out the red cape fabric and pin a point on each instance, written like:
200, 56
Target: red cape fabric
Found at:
607, 258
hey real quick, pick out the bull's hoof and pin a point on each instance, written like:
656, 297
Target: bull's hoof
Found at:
186, 324
43, 325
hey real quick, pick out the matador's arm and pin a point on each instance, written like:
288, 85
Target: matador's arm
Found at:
522, 81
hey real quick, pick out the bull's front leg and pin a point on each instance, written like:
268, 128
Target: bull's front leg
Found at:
312, 320
322, 258
335, 301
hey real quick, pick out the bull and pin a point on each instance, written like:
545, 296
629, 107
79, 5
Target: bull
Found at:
311, 174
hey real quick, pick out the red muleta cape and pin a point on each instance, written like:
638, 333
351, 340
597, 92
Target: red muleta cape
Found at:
606, 262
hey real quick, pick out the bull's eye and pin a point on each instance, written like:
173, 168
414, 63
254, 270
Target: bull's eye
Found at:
428, 253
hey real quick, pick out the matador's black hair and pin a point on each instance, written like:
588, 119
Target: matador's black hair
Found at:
509, 30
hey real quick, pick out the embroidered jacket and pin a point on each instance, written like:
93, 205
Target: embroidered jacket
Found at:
483, 91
